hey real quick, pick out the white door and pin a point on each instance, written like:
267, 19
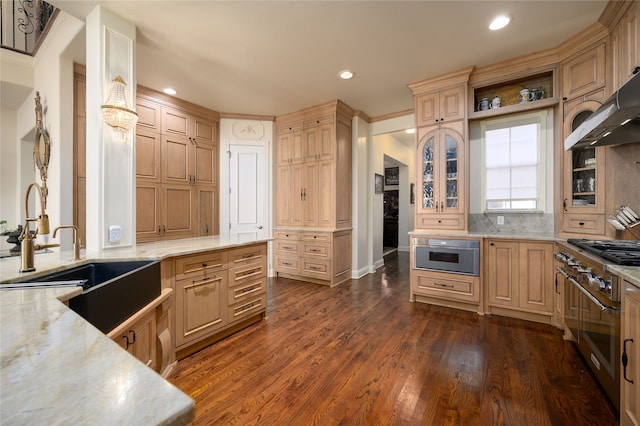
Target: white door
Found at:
248, 192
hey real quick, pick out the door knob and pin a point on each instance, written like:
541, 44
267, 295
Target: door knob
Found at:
259, 226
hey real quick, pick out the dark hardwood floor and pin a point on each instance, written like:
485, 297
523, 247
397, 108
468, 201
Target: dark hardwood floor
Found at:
362, 354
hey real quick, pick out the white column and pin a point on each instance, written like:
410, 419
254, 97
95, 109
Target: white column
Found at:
110, 161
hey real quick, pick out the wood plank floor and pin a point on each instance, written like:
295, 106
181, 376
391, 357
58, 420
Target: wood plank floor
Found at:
362, 354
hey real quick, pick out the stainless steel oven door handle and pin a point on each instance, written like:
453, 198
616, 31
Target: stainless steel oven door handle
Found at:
592, 297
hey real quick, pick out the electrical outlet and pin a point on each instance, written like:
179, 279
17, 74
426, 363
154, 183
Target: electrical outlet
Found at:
500, 220
115, 233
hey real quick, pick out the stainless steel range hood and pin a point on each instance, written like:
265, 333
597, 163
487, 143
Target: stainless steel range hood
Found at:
617, 121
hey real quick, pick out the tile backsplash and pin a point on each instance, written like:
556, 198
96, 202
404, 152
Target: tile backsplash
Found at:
514, 223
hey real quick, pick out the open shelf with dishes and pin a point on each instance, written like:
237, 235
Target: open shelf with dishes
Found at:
522, 93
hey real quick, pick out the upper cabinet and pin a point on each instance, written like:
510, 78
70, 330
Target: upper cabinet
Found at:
313, 176
441, 177
584, 173
584, 73
624, 52
441, 152
176, 168
439, 107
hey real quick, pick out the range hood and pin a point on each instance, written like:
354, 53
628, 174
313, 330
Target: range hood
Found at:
617, 121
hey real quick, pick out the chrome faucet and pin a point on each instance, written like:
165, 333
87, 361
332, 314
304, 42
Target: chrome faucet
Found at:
76, 241
27, 239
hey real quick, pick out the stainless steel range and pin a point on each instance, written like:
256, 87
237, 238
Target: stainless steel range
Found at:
592, 303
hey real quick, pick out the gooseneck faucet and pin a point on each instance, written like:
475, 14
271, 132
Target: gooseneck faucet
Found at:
76, 241
28, 245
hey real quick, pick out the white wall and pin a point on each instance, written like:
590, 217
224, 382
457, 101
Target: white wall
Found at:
376, 164
362, 184
9, 145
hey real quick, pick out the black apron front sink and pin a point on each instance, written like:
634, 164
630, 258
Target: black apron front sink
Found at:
113, 291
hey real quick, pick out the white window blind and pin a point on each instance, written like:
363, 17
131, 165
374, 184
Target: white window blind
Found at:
513, 175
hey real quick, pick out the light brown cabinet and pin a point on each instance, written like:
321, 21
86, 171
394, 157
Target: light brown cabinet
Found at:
216, 291
584, 179
520, 278
584, 72
630, 346
625, 45
441, 179
440, 107
322, 257
313, 191
176, 169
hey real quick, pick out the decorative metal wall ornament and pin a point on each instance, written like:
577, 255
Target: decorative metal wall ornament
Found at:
41, 149
118, 111
25, 25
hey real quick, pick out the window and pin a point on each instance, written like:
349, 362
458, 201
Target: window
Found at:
513, 162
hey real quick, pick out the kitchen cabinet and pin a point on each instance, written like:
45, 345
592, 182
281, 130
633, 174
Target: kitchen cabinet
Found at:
584, 177
139, 339
441, 179
80, 155
140, 334
313, 192
441, 106
625, 45
520, 279
630, 345
201, 295
308, 172
176, 169
441, 165
322, 257
217, 292
584, 72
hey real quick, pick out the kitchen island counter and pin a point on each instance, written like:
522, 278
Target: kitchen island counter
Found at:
57, 368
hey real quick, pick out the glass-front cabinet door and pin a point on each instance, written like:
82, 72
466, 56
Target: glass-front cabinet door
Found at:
440, 176
584, 169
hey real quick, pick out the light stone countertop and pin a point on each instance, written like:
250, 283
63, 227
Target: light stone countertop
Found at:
56, 368
478, 235
629, 273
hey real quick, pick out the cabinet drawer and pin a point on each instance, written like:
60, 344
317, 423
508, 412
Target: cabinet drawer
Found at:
440, 222
324, 237
287, 247
316, 249
242, 275
316, 268
287, 235
241, 257
584, 224
455, 287
286, 264
318, 122
192, 266
201, 307
249, 289
247, 308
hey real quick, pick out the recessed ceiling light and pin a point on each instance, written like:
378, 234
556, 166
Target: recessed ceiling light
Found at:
411, 131
169, 91
346, 74
499, 22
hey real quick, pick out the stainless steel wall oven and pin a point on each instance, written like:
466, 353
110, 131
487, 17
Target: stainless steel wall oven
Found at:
446, 255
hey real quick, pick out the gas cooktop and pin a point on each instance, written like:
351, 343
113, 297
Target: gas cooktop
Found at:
620, 252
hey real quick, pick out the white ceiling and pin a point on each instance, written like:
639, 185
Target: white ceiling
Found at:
275, 57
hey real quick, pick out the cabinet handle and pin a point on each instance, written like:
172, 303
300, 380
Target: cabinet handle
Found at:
134, 336
625, 359
248, 256
581, 223
196, 283
557, 292
124, 336
564, 204
442, 206
437, 206
164, 229
206, 229
159, 230
301, 199
444, 285
204, 265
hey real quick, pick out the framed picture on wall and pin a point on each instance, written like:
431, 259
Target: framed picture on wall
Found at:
379, 184
392, 176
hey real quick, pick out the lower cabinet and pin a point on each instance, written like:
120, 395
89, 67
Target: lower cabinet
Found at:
630, 346
519, 279
216, 292
440, 288
140, 334
321, 257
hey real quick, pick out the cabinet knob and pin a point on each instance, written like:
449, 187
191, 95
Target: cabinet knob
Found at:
439, 221
491, 244
581, 223
204, 265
